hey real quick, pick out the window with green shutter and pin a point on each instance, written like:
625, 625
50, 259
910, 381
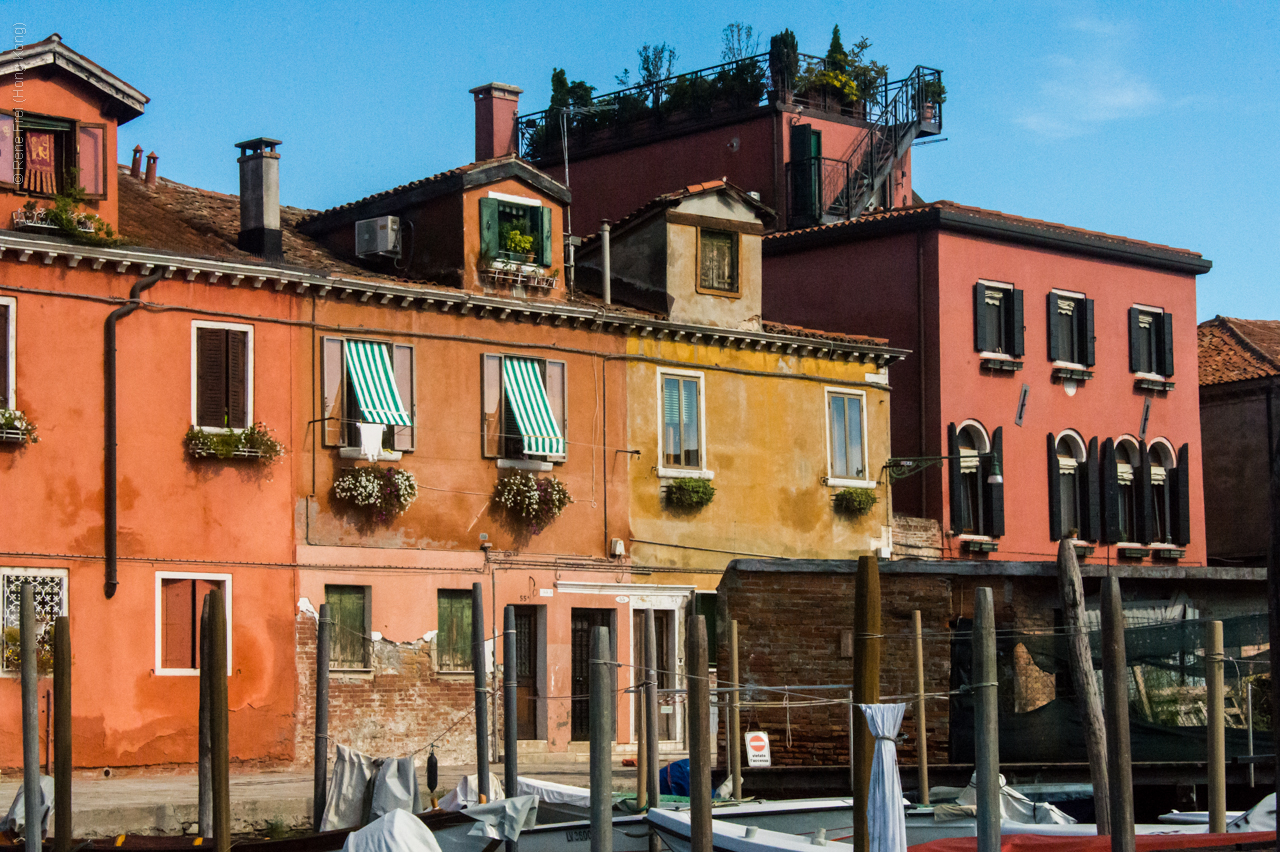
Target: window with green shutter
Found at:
500, 426
997, 319
350, 637
515, 232
1150, 341
453, 639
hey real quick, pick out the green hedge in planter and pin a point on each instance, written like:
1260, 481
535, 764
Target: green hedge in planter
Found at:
855, 502
690, 493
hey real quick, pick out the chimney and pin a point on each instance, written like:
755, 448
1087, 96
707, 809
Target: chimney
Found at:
151, 168
496, 107
135, 170
260, 199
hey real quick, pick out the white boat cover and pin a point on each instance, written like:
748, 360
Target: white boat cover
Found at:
886, 821
359, 781
553, 793
16, 820
504, 819
1014, 807
1260, 817
395, 788
398, 831
731, 837
467, 793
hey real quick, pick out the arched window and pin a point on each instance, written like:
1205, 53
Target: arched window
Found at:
1128, 462
1070, 453
1163, 473
973, 440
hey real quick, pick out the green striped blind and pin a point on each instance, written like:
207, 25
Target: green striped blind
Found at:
372, 376
527, 397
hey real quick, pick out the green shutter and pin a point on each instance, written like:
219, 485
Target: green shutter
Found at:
1135, 342
346, 608
1086, 334
1055, 345
1017, 345
1181, 520
980, 318
489, 227
955, 488
994, 491
1142, 494
453, 639
1055, 492
1089, 518
1166, 341
544, 226
1110, 487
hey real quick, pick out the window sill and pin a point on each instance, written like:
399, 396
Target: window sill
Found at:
996, 362
724, 294
352, 674
452, 676
834, 482
981, 544
1132, 552
678, 473
525, 464
1169, 553
385, 455
1064, 372
1157, 384
1082, 548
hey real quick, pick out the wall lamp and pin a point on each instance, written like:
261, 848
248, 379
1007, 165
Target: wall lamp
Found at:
901, 468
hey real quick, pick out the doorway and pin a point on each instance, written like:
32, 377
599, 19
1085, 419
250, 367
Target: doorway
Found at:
583, 622
526, 672
662, 627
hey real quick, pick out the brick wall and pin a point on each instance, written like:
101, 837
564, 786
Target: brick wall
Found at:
393, 711
916, 538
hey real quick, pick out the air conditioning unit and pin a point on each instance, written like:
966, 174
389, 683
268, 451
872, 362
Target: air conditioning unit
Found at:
378, 237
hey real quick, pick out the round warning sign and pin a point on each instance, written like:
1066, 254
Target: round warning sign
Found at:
757, 748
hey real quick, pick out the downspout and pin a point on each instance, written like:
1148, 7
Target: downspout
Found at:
109, 392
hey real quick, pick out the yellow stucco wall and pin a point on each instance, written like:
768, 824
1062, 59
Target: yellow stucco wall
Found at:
766, 444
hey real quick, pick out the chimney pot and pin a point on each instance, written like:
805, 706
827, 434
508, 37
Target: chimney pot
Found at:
496, 108
135, 169
151, 168
260, 199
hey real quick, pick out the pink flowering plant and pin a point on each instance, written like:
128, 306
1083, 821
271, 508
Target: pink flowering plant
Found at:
382, 492
532, 502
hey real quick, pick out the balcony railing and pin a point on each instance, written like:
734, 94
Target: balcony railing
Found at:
817, 190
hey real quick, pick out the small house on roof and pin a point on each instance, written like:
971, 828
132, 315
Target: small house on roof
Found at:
693, 255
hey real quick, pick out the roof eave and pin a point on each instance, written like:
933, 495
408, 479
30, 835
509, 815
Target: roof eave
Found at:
129, 102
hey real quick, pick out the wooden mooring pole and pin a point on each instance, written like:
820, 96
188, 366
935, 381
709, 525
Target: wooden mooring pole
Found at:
602, 707
699, 704
204, 767
1080, 659
640, 698
482, 690
986, 721
1217, 763
1116, 677
922, 729
866, 686
320, 778
651, 715
62, 734
220, 762
510, 732
1273, 583
30, 716
734, 729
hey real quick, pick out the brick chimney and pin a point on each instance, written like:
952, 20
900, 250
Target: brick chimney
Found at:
260, 199
135, 168
496, 108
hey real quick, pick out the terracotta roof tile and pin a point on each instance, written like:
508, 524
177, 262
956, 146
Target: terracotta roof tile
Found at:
670, 198
1236, 350
801, 331
395, 190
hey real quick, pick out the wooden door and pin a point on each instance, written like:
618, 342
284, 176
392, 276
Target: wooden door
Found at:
526, 673
583, 621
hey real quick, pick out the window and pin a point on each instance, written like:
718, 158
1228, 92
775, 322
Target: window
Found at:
368, 381
523, 403
1069, 488
1163, 466
42, 152
507, 220
1127, 462
997, 319
8, 351
1070, 326
682, 434
717, 261
1145, 492
976, 493
221, 375
350, 638
453, 639
49, 591
179, 604
846, 460
1150, 341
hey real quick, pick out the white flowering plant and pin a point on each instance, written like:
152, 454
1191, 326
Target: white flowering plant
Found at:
256, 442
15, 422
531, 501
383, 492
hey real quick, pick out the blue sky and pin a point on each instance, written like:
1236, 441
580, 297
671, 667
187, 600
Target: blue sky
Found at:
1153, 120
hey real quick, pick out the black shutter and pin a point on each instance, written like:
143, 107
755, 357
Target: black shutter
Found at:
1142, 494
1086, 333
1135, 342
4, 356
211, 377
1110, 488
237, 379
953, 478
980, 333
1166, 342
994, 490
1055, 346
1055, 492
1017, 346
1090, 528
1182, 499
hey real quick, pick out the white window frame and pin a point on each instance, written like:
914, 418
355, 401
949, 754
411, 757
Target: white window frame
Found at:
517, 199
685, 472
225, 579
13, 571
12, 337
248, 383
831, 480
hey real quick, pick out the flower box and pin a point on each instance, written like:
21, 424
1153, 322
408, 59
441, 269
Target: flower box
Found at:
15, 428
511, 274
38, 220
255, 443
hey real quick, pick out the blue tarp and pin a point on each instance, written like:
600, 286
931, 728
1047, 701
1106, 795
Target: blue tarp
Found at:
673, 780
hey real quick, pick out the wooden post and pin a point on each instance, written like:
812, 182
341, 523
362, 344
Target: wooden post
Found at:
48, 732
734, 735
220, 756
866, 685
62, 734
204, 772
1248, 709
510, 769
1217, 764
1116, 675
1273, 585
922, 733
482, 691
651, 715
602, 707
640, 698
1080, 658
986, 721
320, 775
30, 716
699, 687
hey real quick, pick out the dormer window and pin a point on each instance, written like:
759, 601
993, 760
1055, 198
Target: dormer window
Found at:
45, 151
515, 229
718, 261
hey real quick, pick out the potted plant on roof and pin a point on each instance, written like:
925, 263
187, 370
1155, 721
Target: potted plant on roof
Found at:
516, 242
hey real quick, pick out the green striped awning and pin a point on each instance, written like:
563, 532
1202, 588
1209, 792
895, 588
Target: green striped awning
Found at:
527, 397
369, 365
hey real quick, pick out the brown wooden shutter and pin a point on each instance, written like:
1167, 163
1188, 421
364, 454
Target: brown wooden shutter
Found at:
177, 632
211, 377
557, 386
491, 406
201, 588
402, 363
331, 404
237, 379
4, 357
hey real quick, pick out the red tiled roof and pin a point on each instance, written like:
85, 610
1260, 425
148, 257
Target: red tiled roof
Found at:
670, 198
1236, 350
395, 190
801, 331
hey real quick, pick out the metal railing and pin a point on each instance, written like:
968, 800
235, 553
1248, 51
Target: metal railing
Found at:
817, 190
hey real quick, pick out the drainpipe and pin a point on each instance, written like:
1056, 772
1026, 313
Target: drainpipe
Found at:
109, 465
608, 269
